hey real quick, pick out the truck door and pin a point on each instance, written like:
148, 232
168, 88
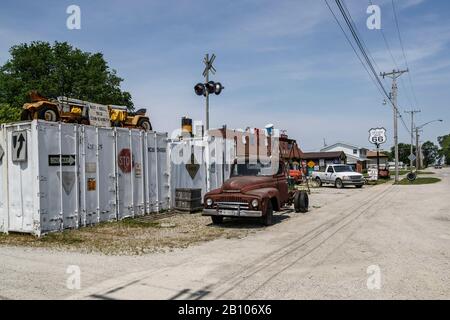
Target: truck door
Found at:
283, 188
329, 174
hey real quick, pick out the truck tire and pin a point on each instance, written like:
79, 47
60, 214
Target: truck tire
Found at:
338, 183
268, 217
48, 114
217, 219
301, 201
144, 124
319, 182
359, 186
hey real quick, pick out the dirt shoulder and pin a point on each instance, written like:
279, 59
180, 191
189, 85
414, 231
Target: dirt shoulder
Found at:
135, 236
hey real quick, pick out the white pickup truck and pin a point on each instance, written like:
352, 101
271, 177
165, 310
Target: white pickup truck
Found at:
339, 175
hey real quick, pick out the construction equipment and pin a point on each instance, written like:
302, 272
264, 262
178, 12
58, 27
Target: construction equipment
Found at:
77, 111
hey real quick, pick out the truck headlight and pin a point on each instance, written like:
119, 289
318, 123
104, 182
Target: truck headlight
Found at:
345, 178
255, 203
209, 202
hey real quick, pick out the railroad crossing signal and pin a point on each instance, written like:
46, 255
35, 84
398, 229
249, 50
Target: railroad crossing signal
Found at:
208, 87
209, 65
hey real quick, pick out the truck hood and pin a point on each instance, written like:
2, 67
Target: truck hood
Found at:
243, 184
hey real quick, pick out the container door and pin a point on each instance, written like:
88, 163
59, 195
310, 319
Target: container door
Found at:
106, 175
151, 177
3, 182
59, 193
88, 145
21, 178
163, 174
125, 183
137, 172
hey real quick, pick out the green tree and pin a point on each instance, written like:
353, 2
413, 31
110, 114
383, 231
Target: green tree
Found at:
404, 150
8, 113
59, 70
430, 153
444, 142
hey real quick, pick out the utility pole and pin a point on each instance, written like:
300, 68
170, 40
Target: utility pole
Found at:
417, 149
208, 68
412, 112
394, 75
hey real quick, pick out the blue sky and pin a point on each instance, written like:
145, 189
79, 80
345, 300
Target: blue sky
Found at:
282, 62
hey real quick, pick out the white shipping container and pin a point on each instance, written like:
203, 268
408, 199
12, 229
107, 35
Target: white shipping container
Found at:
67, 176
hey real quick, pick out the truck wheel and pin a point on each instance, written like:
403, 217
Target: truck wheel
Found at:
338, 183
217, 219
268, 217
48, 114
359, 186
301, 202
319, 182
144, 124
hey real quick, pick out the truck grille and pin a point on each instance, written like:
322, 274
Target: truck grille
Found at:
233, 205
355, 178
231, 198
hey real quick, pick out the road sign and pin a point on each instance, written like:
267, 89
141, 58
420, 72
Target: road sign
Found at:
99, 115
65, 160
311, 164
2, 153
192, 167
125, 160
373, 174
19, 146
67, 180
377, 135
412, 157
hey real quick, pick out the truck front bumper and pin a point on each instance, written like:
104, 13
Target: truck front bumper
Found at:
353, 183
231, 213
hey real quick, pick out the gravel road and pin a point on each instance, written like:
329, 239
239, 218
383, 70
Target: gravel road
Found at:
380, 242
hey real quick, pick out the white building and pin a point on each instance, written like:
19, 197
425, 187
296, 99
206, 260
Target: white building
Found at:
356, 156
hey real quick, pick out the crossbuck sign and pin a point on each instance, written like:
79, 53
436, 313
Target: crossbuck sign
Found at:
377, 135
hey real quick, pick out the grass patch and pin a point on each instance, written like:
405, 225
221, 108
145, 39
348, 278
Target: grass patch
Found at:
418, 181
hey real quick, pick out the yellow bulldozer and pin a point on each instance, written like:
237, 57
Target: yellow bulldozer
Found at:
77, 111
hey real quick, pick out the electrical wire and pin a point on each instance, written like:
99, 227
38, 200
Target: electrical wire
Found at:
403, 50
364, 51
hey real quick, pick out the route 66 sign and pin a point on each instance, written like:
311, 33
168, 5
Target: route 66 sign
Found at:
377, 135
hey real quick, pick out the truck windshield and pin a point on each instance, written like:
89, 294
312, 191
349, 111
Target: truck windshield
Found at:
252, 169
343, 169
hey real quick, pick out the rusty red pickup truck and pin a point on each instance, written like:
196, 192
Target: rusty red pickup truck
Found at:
254, 190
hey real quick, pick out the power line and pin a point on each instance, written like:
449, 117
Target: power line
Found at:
403, 51
353, 47
388, 47
347, 17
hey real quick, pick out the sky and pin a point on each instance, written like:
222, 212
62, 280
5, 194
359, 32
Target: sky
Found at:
281, 62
